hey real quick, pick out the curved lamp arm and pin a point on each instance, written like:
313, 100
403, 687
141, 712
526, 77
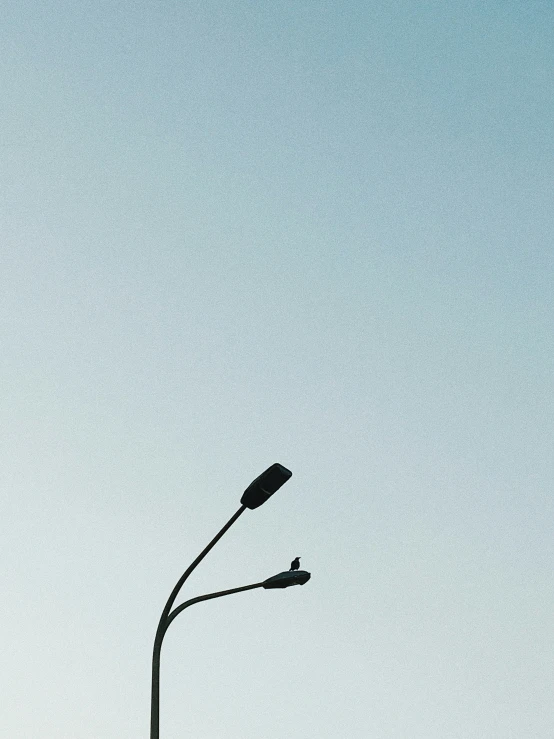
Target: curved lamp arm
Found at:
255, 495
164, 623
282, 580
173, 615
193, 566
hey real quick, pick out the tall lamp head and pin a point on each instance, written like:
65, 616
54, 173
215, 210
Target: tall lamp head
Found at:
265, 485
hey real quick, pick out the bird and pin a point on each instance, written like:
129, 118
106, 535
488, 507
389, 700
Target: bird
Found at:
295, 564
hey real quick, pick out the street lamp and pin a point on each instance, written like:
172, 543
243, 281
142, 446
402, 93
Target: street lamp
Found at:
265, 485
282, 580
260, 490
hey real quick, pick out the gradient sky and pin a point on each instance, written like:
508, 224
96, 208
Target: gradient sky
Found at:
313, 232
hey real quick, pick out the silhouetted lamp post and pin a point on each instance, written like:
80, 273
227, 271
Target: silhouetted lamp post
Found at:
260, 490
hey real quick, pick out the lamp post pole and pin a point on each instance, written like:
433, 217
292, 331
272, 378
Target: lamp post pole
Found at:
257, 493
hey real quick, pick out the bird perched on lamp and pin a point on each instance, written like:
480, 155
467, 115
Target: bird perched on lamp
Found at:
295, 564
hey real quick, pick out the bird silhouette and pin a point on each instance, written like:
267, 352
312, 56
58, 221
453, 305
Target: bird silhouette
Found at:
295, 564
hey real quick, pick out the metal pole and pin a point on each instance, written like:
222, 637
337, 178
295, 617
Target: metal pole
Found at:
165, 621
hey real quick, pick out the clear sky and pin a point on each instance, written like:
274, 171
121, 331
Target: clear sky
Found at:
313, 232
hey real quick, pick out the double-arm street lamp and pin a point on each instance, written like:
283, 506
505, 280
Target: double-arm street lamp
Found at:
260, 490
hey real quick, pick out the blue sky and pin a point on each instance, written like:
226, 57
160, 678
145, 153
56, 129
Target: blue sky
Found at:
306, 232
